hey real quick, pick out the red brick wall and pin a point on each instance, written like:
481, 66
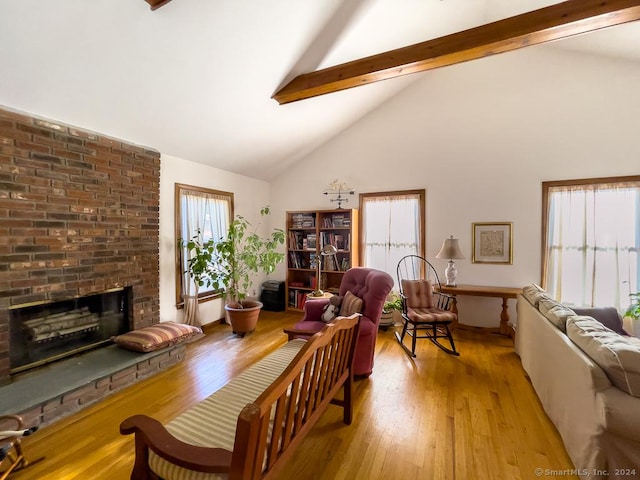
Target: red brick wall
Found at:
79, 214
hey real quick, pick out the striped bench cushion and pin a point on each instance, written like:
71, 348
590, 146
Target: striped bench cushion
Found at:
212, 422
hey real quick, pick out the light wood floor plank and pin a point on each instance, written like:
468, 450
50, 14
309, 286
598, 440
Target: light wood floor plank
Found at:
435, 417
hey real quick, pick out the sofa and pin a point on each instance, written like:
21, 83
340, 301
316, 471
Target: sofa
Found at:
586, 373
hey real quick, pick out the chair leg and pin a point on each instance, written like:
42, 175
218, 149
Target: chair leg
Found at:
400, 338
453, 345
414, 337
434, 339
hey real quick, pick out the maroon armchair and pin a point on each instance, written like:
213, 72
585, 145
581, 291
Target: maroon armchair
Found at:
368, 284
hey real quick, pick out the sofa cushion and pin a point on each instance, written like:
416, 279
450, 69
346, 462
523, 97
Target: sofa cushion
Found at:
155, 337
608, 316
555, 312
534, 293
617, 355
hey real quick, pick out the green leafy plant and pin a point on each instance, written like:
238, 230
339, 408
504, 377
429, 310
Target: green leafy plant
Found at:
199, 264
634, 309
229, 263
395, 303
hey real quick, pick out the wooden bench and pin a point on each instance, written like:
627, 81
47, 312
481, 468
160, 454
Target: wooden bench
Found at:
251, 426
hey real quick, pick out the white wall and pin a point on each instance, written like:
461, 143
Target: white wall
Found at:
480, 137
249, 196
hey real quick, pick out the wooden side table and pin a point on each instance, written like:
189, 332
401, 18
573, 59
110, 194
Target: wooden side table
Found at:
485, 291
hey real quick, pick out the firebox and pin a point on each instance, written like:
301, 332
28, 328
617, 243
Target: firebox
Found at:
44, 332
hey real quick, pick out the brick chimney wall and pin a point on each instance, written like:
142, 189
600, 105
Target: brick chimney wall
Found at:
79, 215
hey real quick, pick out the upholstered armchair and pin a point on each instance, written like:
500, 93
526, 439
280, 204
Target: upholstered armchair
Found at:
372, 287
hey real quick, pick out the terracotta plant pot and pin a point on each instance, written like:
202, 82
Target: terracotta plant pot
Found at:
243, 320
386, 320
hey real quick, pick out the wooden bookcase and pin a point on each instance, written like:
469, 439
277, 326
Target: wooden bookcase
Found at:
308, 232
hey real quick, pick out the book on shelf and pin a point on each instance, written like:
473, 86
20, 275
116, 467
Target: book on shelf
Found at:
294, 261
337, 220
345, 264
311, 241
338, 240
297, 298
303, 220
295, 240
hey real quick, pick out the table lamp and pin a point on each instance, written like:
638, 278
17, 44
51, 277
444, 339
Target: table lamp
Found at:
327, 250
451, 250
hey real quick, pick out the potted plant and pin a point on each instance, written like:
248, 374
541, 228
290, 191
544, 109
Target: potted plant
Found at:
393, 304
633, 312
229, 264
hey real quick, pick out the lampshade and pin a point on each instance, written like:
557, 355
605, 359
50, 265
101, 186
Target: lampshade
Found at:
450, 249
329, 249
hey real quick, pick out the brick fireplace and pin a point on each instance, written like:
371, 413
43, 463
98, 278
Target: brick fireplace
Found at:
80, 216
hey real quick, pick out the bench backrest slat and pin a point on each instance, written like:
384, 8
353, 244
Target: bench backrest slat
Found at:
279, 418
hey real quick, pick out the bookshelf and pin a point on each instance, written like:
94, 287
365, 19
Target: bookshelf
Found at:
307, 233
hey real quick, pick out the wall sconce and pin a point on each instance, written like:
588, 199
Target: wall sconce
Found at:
339, 189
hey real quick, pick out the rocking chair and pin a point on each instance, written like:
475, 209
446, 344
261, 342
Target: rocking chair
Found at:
424, 307
12, 456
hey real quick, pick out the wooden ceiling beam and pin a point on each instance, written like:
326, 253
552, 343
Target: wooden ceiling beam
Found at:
555, 22
155, 4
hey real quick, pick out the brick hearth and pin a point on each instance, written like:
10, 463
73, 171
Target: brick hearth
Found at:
75, 383
80, 216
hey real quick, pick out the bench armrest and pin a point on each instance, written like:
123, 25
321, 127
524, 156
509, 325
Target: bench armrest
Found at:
294, 333
151, 434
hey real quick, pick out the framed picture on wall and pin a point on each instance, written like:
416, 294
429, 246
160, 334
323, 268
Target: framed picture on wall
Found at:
492, 243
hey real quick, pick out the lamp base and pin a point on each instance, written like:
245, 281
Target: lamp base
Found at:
450, 273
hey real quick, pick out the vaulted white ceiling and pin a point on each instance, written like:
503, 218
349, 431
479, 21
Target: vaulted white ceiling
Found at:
194, 79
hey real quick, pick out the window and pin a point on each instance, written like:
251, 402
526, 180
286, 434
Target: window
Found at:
392, 226
591, 238
209, 211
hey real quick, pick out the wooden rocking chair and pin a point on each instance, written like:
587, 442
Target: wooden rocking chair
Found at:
424, 307
12, 456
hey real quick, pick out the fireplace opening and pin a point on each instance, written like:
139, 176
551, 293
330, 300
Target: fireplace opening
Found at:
45, 332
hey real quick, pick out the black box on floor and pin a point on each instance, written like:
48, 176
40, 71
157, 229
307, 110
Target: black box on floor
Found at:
272, 295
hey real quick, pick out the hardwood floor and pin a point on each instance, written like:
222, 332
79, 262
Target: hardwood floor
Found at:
436, 417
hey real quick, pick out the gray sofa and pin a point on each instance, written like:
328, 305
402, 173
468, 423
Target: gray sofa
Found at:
586, 373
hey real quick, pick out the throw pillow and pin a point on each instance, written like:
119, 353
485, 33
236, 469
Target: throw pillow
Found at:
350, 305
617, 355
331, 310
155, 337
534, 293
419, 293
608, 316
555, 312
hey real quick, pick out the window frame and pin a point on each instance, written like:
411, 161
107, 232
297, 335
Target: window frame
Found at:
421, 193
546, 187
179, 287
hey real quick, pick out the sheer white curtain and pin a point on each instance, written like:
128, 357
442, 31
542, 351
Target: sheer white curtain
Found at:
593, 238
210, 213
391, 229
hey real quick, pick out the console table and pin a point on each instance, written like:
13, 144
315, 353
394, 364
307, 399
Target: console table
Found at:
485, 291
